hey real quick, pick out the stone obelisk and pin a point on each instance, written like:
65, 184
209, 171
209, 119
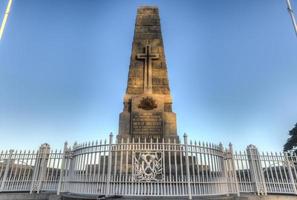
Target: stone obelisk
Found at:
147, 103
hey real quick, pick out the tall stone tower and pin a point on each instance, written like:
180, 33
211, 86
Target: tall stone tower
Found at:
147, 103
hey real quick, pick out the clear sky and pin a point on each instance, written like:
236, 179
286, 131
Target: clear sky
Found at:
64, 66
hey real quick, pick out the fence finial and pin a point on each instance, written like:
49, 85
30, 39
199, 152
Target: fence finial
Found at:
185, 138
230, 147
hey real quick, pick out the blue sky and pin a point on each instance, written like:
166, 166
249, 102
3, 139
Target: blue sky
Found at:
64, 66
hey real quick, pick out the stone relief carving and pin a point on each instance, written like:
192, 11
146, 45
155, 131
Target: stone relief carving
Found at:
147, 103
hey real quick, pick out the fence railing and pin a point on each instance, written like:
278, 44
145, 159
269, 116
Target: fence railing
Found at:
31, 171
148, 168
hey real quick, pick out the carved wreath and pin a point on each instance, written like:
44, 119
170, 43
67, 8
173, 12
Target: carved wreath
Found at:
147, 103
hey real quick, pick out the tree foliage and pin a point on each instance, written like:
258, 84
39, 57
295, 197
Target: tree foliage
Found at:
291, 144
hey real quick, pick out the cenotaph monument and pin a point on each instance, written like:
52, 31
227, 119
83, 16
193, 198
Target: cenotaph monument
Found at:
147, 109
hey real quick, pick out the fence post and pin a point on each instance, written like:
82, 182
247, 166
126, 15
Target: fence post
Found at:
187, 165
6, 170
40, 168
72, 161
45, 150
62, 168
257, 174
224, 169
289, 164
233, 169
109, 165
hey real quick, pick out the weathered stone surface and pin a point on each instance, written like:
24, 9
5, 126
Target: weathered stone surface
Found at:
147, 103
147, 31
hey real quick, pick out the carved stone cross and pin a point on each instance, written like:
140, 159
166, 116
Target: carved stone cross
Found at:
147, 56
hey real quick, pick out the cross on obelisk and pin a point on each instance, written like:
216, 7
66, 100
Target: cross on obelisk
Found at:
147, 56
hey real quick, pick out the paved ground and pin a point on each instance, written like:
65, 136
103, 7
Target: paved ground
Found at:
73, 197
48, 196
242, 197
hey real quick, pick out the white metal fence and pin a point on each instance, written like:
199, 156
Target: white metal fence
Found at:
30, 170
148, 168
267, 172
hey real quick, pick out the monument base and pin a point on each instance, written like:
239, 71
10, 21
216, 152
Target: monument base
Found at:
148, 117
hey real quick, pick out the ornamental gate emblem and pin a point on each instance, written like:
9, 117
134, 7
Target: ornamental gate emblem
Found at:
148, 166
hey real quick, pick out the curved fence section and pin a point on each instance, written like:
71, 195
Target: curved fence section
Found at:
160, 168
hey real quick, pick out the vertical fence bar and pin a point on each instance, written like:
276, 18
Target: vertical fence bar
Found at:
175, 168
109, 166
234, 170
288, 165
62, 169
121, 147
6, 170
187, 165
35, 172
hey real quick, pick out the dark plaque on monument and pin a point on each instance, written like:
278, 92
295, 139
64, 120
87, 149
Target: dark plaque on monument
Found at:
147, 124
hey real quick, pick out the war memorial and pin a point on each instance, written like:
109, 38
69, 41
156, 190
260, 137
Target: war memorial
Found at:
147, 158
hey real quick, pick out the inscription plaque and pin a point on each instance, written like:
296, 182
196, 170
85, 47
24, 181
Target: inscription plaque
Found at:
147, 123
